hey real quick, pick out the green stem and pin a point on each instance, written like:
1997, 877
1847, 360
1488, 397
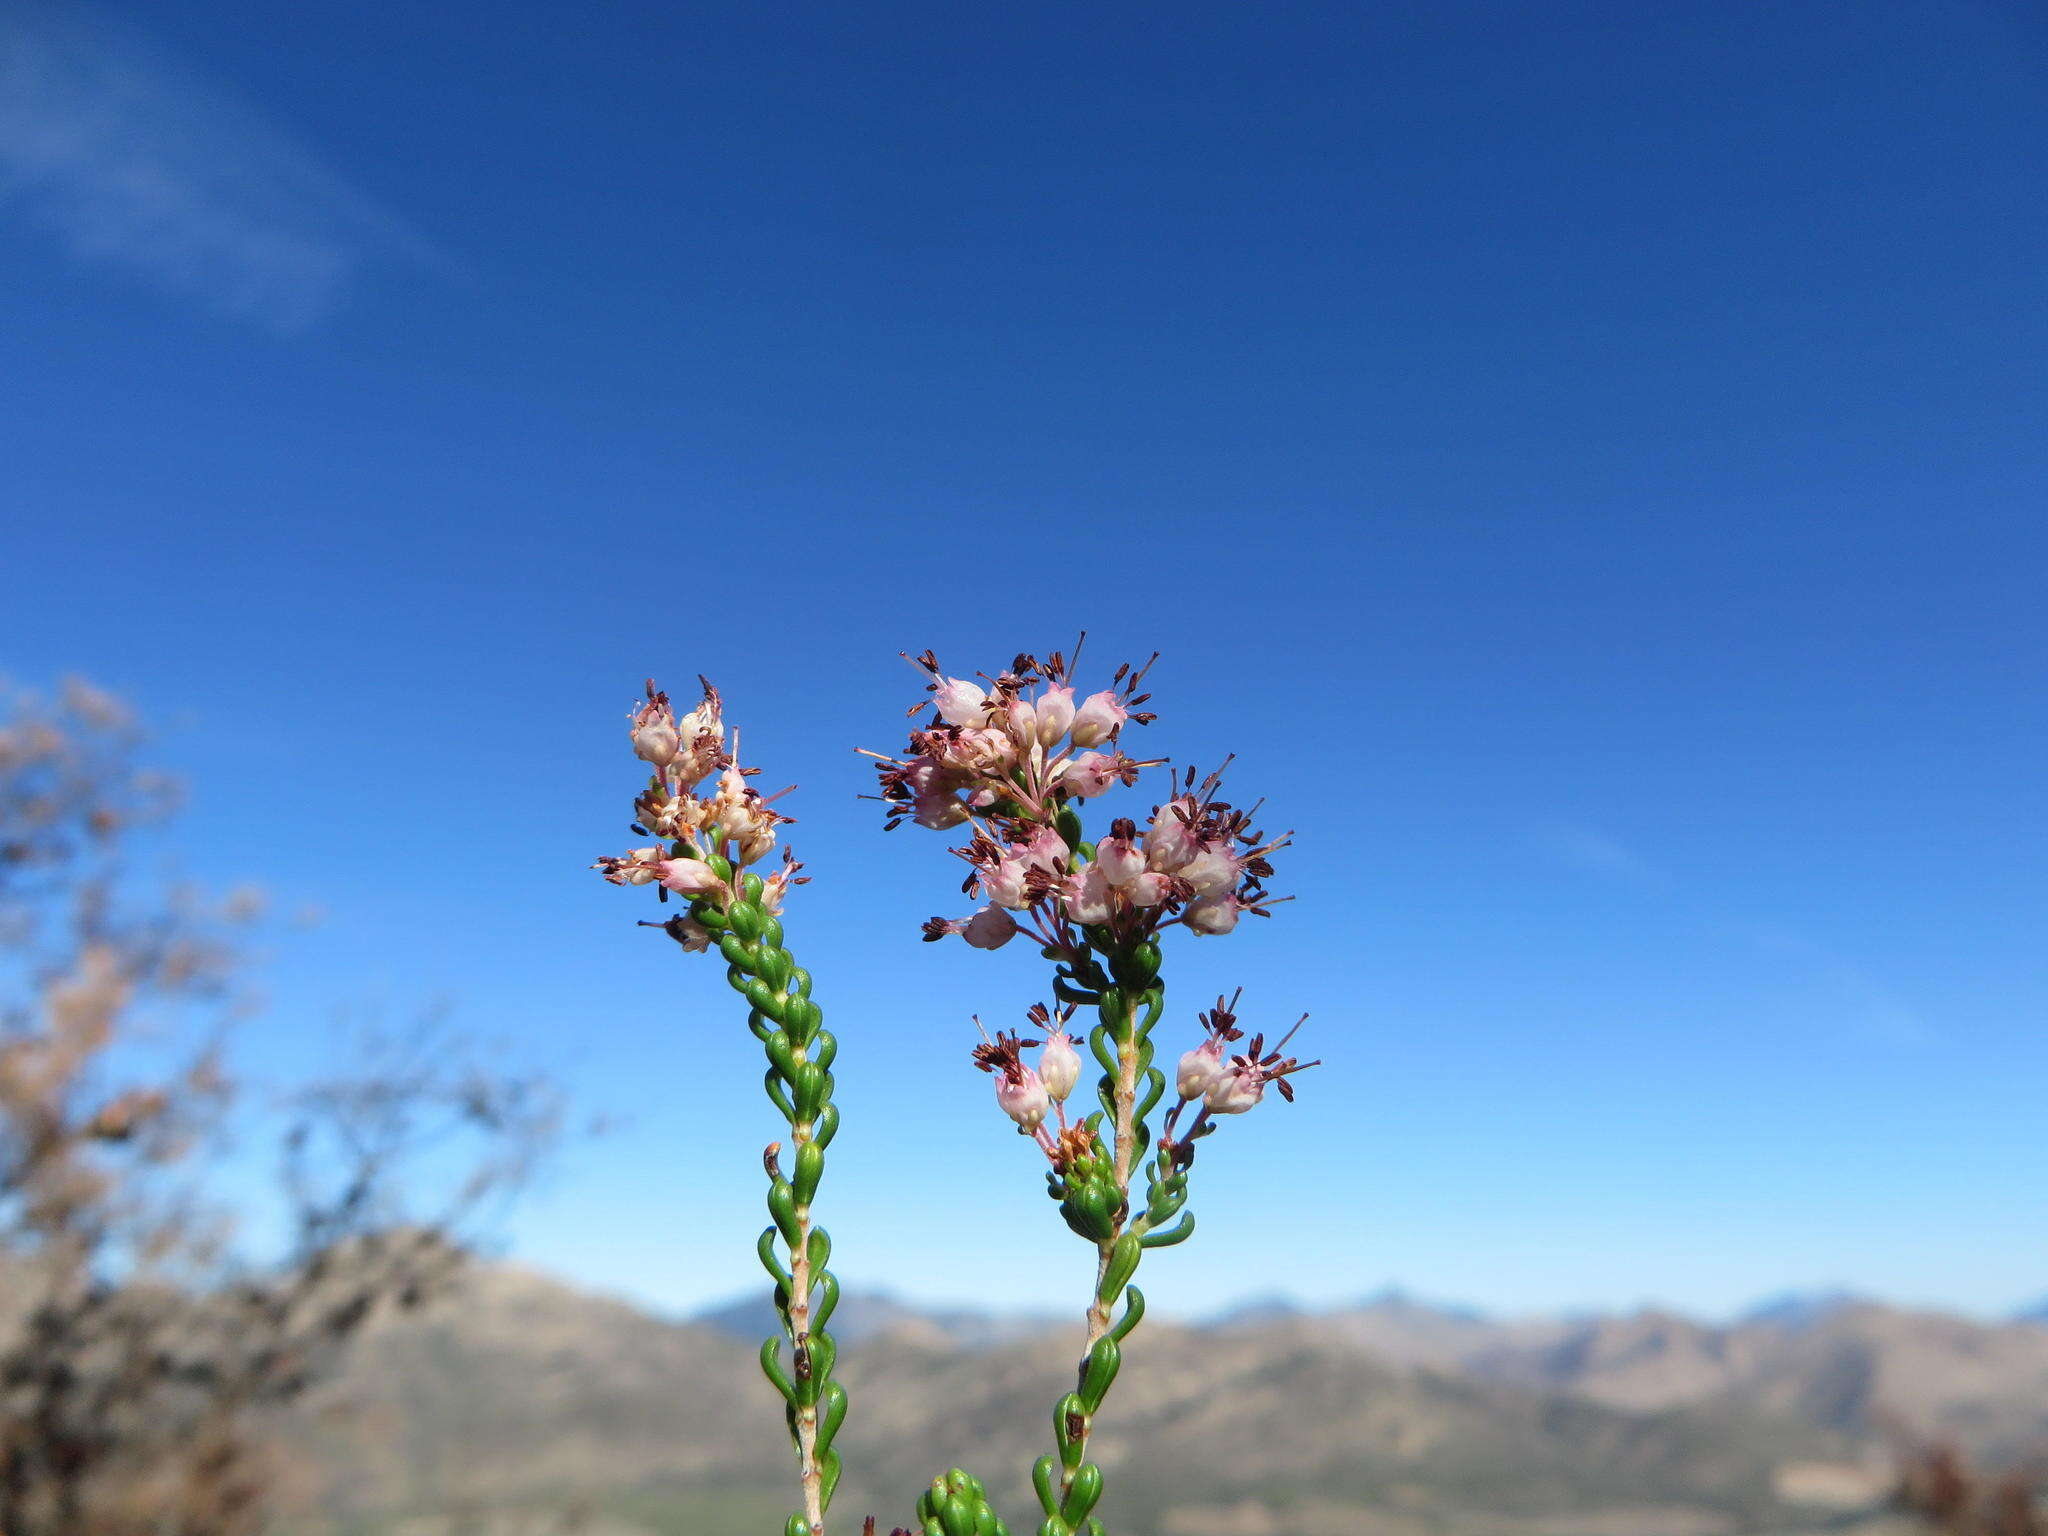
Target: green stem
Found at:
799, 1083
1129, 1000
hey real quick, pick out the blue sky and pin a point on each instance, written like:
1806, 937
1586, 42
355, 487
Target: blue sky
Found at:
1585, 459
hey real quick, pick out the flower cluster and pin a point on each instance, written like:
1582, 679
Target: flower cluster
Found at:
712, 823
1209, 1075
1226, 1084
1012, 761
1028, 1094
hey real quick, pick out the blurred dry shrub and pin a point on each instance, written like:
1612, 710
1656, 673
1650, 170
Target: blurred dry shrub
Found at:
139, 1355
1938, 1485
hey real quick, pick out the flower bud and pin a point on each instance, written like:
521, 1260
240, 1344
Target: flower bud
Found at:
1199, 1068
1023, 1098
1059, 1066
990, 928
1055, 711
959, 702
1098, 718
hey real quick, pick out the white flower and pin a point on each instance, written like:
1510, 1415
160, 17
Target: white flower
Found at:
1169, 842
1055, 712
1119, 860
1213, 868
689, 877
1097, 719
1213, 914
655, 737
1059, 1065
1236, 1089
959, 702
1199, 1068
990, 928
1006, 881
1086, 894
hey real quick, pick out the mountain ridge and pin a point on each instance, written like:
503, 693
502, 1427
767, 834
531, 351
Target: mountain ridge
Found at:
524, 1401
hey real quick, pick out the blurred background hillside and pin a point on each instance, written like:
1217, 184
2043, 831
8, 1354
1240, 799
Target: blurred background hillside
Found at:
533, 1407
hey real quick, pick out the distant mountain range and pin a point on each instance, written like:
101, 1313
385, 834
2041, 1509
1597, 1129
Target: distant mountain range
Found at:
525, 1407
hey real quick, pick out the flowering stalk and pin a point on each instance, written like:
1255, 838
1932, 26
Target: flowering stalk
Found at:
1014, 762
711, 838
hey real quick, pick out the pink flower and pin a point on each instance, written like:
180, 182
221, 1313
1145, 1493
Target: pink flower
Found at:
689, 877
1242, 1084
1148, 890
1020, 1091
926, 776
938, 811
1086, 894
965, 754
1055, 711
1213, 914
1091, 774
1234, 1091
990, 928
1007, 881
960, 702
1169, 841
1200, 1068
1215, 867
1023, 1097
1021, 720
1048, 851
1099, 718
1119, 859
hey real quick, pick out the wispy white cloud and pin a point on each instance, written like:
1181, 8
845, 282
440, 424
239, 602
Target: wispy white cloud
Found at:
131, 160
1878, 1005
1595, 853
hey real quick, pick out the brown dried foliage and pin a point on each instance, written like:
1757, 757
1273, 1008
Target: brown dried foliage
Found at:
1938, 1484
138, 1356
